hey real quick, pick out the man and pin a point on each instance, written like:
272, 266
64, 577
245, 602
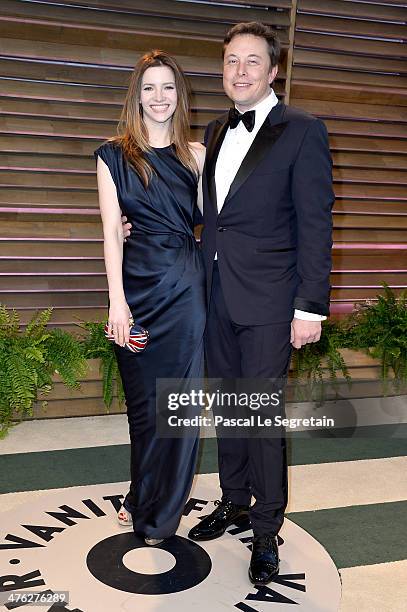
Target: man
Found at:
267, 249
266, 242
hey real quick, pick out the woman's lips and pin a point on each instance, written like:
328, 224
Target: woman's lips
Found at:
159, 108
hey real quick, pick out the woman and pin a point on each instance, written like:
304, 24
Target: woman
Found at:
149, 173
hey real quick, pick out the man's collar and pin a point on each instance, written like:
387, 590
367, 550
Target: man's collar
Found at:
264, 107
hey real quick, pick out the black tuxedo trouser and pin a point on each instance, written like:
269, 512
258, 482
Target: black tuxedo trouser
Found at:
248, 467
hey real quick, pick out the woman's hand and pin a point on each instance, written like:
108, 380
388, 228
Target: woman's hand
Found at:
118, 322
126, 227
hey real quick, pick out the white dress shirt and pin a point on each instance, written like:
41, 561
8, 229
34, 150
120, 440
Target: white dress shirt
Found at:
234, 149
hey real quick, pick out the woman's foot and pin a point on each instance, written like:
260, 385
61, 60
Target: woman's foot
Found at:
124, 517
153, 541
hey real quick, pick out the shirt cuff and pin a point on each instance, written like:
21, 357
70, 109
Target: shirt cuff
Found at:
308, 316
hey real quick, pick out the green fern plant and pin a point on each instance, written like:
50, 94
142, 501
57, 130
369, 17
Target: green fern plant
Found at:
95, 346
28, 359
314, 360
380, 330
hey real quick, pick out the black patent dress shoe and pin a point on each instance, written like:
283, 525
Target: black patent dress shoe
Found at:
264, 564
215, 524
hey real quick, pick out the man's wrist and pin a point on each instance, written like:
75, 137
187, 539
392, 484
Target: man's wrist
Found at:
308, 316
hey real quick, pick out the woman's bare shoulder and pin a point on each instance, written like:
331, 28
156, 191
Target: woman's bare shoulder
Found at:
199, 151
197, 147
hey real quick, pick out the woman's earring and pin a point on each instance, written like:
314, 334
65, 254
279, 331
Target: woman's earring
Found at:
140, 108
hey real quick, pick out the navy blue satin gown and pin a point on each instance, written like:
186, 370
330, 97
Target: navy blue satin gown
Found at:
163, 281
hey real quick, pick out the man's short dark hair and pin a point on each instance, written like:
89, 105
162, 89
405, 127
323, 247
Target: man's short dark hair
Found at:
256, 28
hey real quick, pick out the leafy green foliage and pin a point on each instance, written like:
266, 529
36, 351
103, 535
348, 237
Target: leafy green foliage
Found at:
380, 330
313, 362
95, 346
28, 359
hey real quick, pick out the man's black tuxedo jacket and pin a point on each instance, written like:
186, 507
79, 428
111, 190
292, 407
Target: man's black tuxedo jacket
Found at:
273, 234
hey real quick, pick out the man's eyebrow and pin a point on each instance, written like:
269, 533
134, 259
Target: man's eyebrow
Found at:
250, 55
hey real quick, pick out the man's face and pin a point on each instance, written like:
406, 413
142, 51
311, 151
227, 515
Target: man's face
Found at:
247, 71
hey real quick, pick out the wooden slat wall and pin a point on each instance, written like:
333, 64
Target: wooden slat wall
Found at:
64, 71
349, 68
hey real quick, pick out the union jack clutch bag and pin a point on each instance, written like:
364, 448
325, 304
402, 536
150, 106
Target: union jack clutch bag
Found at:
138, 338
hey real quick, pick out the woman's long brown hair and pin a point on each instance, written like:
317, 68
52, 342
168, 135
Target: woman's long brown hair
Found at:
132, 130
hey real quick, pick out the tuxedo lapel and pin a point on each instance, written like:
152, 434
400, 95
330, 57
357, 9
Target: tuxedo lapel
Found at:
212, 153
266, 137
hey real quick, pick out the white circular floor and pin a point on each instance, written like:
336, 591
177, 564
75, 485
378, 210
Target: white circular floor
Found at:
69, 540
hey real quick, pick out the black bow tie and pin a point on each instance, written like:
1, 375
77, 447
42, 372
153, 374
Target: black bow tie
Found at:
248, 119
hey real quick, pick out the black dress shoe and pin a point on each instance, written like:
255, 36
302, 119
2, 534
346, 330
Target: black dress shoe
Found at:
215, 524
264, 564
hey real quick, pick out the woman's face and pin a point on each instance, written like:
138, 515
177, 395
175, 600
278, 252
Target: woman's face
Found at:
158, 94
